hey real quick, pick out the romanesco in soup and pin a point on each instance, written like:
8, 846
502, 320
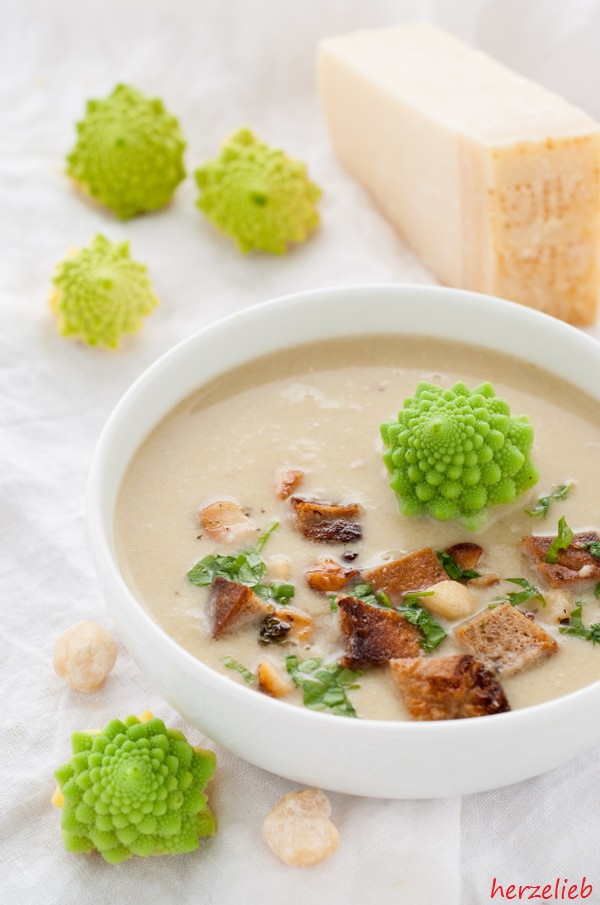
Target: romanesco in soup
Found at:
455, 453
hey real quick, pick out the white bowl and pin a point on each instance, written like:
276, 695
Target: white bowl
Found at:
362, 757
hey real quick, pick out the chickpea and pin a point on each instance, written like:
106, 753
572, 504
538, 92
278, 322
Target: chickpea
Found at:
298, 829
84, 655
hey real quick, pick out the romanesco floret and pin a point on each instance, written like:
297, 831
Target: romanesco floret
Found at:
135, 788
129, 152
257, 195
455, 453
101, 293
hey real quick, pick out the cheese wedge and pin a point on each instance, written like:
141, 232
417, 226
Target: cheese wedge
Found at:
493, 180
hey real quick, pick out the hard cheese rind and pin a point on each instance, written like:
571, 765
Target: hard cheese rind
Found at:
494, 181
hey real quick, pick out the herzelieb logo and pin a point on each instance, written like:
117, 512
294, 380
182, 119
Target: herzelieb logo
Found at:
561, 890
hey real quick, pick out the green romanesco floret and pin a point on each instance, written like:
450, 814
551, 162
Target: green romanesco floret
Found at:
135, 788
129, 152
101, 293
257, 195
454, 453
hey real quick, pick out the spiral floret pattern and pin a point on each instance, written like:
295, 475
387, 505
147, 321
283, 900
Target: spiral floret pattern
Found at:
101, 293
136, 788
257, 195
455, 453
129, 152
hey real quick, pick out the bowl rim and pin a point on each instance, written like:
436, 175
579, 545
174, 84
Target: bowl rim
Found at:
105, 558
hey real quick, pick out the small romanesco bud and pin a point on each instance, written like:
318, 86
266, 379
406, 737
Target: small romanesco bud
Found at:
455, 453
101, 293
258, 195
135, 788
129, 152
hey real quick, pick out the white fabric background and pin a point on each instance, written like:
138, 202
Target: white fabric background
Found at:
218, 65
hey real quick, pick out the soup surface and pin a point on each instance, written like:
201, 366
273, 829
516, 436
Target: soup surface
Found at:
317, 408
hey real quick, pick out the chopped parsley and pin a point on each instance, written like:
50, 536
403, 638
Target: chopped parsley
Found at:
453, 569
594, 547
265, 537
597, 591
591, 633
530, 592
324, 687
432, 633
543, 504
560, 542
230, 663
366, 593
245, 568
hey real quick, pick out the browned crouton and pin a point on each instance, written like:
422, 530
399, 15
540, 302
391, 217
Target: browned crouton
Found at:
448, 688
374, 636
286, 481
465, 554
232, 604
226, 521
284, 624
327, 522
271, 682
328, 575
413, 572
574, 565
505, 639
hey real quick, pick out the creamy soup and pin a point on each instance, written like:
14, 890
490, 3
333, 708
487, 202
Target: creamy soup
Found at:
317, 408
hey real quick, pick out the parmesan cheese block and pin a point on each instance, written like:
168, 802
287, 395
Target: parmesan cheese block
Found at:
493, 180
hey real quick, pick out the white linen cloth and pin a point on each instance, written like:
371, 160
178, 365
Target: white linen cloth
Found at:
218, 66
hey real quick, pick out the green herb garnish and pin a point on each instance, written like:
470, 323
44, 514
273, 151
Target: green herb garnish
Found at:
265, 537
594, 547
530, 592
324, 687
280, 591
246, 568
432, 633
597, 590
543, 504
578, 628
453, 569
230, 663
366, 593
560, 542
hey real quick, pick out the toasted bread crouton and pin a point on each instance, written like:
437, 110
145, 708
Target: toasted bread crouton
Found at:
448, 688
465, 554
373, 636
328, 523
287, 480
413, 572
327, 575
450, 600
505, 639
233, 604
302, 626
574, 566
226, 521
270, 681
